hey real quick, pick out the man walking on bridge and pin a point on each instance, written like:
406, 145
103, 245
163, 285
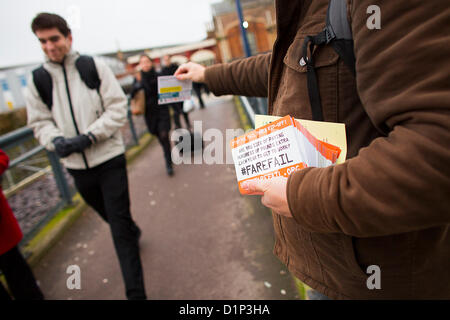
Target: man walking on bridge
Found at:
76, 107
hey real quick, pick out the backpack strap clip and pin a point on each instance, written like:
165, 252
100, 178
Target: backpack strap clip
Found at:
340, 38
329, 34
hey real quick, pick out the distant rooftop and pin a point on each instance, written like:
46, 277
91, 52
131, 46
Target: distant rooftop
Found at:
229, 6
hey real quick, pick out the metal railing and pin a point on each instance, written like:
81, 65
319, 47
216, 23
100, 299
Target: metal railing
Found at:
13, 143
26, 155
253, 106
16, 139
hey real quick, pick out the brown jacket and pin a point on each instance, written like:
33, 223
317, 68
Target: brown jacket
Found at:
389, 203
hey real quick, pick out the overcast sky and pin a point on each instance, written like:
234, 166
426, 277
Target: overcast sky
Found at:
100, 26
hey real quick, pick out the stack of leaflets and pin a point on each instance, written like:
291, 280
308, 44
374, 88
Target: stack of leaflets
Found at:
278, 149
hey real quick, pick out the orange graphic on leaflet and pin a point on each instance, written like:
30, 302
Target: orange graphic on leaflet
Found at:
283, 172
261, 132
301, 138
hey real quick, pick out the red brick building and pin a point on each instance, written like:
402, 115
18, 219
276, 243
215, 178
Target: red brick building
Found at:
259, 17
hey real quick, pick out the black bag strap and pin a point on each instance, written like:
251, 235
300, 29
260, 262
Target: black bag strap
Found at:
88, 73
340, 33
337, 33
44, 85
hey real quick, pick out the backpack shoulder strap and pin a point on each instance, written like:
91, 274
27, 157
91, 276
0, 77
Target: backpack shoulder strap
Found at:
339, 32
44, 85
88, 72
337, 19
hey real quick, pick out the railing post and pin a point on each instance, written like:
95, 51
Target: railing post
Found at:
130, 120
60, 179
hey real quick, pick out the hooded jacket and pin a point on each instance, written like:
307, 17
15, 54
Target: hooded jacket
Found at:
79, 110
388, 205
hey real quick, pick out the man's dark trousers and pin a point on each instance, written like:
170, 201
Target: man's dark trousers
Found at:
105, 188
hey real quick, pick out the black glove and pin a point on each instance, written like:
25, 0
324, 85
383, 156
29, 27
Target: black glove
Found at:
65, 147
62, 148
80, 142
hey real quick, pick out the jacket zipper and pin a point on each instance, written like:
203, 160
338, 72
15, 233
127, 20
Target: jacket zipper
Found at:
71, 111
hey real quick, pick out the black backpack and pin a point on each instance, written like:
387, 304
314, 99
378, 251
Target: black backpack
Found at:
338, 34
86, 68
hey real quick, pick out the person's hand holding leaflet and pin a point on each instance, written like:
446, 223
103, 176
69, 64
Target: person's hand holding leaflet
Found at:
191, 71
273, 193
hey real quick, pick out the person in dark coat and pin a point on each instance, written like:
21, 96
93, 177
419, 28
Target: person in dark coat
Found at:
168, 70
197, 86
157, 117
20, 278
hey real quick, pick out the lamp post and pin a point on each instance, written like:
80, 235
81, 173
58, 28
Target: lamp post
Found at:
247, 50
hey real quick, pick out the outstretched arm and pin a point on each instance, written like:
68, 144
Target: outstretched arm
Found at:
247, 77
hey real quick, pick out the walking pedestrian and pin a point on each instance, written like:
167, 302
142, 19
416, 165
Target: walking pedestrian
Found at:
157, 117
197, 87
76, 107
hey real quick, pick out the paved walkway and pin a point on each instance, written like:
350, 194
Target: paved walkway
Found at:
201, 239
